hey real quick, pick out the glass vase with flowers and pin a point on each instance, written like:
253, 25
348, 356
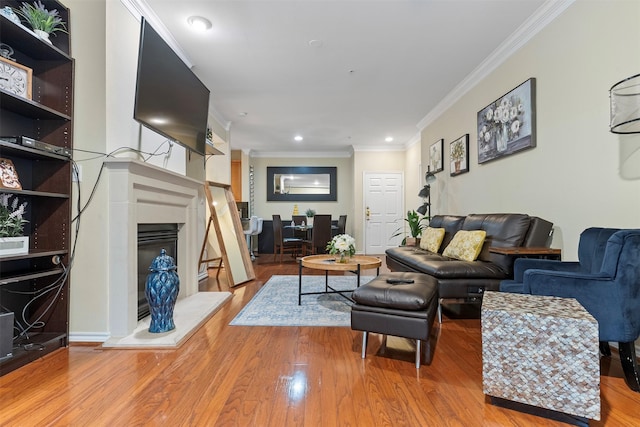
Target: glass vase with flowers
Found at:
342, 245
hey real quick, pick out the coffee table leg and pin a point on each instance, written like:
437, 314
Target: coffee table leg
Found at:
326, 280
358, 273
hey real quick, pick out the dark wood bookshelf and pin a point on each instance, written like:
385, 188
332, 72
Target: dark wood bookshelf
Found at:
35, 286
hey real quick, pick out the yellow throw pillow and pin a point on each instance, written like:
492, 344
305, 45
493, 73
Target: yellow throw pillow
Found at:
465, 245
431, 239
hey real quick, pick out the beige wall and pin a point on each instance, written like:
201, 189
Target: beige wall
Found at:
88, 312
372, 162
414, 176
350, 184
580, 174
266, 209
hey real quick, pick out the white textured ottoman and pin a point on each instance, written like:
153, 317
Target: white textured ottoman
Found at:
541, 351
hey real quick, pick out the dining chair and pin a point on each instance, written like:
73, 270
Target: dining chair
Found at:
342, 224
320, 234
292, 245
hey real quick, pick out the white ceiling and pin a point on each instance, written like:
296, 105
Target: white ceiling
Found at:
381, 66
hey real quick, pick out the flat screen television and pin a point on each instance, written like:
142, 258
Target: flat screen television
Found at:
170, 99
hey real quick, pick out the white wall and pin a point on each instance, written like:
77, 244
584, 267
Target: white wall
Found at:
579, 175
105, 46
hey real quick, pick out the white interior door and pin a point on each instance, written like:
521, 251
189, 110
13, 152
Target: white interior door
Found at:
383, 210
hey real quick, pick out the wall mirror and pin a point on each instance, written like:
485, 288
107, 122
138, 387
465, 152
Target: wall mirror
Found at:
302, 184
231, 240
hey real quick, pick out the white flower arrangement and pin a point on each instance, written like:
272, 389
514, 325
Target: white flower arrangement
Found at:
501, 121
342, 244
11, 216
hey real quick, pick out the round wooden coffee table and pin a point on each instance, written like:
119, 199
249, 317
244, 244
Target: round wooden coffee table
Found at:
328, 263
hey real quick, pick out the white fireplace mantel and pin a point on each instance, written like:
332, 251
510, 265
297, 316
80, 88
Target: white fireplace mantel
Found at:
140, 193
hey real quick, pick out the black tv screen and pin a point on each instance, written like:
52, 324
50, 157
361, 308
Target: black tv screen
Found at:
170, 99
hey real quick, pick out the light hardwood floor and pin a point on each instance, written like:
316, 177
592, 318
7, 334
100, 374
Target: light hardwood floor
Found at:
277, 376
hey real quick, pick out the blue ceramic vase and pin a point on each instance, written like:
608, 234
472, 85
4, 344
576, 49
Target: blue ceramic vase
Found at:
161, 290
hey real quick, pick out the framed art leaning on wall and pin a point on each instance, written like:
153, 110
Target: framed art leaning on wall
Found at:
508, 124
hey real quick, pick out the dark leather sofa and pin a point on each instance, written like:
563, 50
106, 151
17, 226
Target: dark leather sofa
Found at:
466, 281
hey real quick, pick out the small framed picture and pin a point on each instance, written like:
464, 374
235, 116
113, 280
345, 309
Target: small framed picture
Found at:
436, 162
459, 155
9, 175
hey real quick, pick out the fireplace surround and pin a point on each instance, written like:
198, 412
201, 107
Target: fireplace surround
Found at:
140, 193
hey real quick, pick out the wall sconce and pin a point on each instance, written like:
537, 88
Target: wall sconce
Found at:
425, 193
625, 106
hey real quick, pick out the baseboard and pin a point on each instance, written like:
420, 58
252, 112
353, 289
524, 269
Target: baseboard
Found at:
88, 337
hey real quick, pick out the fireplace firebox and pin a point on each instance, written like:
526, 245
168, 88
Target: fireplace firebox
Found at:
152, 238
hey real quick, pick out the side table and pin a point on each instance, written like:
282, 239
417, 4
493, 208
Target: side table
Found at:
541, 351
528, 252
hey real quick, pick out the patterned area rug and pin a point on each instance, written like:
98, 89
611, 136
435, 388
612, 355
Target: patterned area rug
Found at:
276, 304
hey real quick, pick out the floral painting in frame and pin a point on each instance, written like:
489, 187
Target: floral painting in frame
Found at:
459, 155
436, 162
508, 124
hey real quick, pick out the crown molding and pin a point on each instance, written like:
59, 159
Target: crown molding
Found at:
385, 149
545, 14
226, 124
417, 139
304, 154
140, 8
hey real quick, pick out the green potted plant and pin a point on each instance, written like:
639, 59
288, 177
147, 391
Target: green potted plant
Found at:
310, 213
417, 223
44, 22
12, 241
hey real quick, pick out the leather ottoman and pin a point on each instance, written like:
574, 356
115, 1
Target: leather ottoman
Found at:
401, 304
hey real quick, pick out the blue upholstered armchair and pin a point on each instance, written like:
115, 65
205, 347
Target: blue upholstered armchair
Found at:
606, 281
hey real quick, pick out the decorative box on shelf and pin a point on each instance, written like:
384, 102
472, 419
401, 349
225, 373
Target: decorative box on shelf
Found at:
14, 245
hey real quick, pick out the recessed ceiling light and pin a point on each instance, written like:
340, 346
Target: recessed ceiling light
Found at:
298, 138
388, 139
243, 114
315, 43
199, 23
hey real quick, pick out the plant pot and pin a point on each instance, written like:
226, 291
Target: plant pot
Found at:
43, 35
310, 221
412, 241
14, 245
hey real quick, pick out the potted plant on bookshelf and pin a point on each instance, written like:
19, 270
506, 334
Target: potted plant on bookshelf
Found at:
12, 221
44, 22
310, 213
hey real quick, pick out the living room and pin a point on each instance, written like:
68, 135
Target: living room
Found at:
578, 175
576, 157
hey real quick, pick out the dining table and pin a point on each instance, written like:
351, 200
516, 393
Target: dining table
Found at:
307, 229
